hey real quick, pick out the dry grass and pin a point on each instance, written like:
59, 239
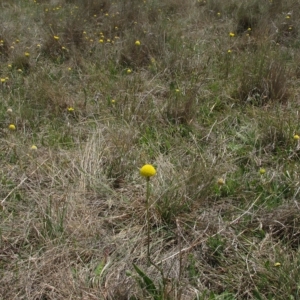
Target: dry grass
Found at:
210, 111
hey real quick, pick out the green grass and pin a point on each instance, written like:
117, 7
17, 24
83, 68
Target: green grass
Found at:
73, 214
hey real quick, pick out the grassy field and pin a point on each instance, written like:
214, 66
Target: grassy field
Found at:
207, 91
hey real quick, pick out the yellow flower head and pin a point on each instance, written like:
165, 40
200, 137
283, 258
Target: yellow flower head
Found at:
137, 43
56, 37
70, 109
113, 101
231, 34
262, 171
27, 54
296, 137
9, 111
12, 127
221, 181
2, 80
147, 171
33, 147
229, 51
277, 264
129, 71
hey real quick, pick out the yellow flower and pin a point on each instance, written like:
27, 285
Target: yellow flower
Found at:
177, 90
249, 29
56, 37
296, 137
9, 111
113, 101
147, 171
262, 171
27, 54
219, 14
229, 51
277, 264
137, 43
231, 34
101, 41
33, 147
129, 71
2, 80
221, 181
70, 109
12, 127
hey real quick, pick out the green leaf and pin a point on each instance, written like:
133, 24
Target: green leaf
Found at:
149, 284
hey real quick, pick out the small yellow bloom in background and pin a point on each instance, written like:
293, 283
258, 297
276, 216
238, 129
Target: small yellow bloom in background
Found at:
177, 90
9, 111
229, 51
137, 43
218, 14
113, 101
27, 54
56, 37
221, 181
101, 41
129, 71
33, 147
106, 14
262, 171
9, 65
231, 34
12, 127
63, 48
147, 171
38, 45
2, 80
288, 17
69, 69
277, 264
296, 137
17, 41
70, 109
249, 29
20, 70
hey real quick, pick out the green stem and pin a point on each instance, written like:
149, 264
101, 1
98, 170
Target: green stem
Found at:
150, 262
148, 221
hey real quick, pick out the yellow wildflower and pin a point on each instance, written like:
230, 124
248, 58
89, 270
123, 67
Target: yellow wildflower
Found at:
12, 127
56, 37
70, 109
221, 181
296, 137
27, 54
231, 34
277, 264
262, 171
137, 43
147, 171
33, 147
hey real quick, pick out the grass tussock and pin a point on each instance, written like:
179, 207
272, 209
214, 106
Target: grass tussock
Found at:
204, 91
